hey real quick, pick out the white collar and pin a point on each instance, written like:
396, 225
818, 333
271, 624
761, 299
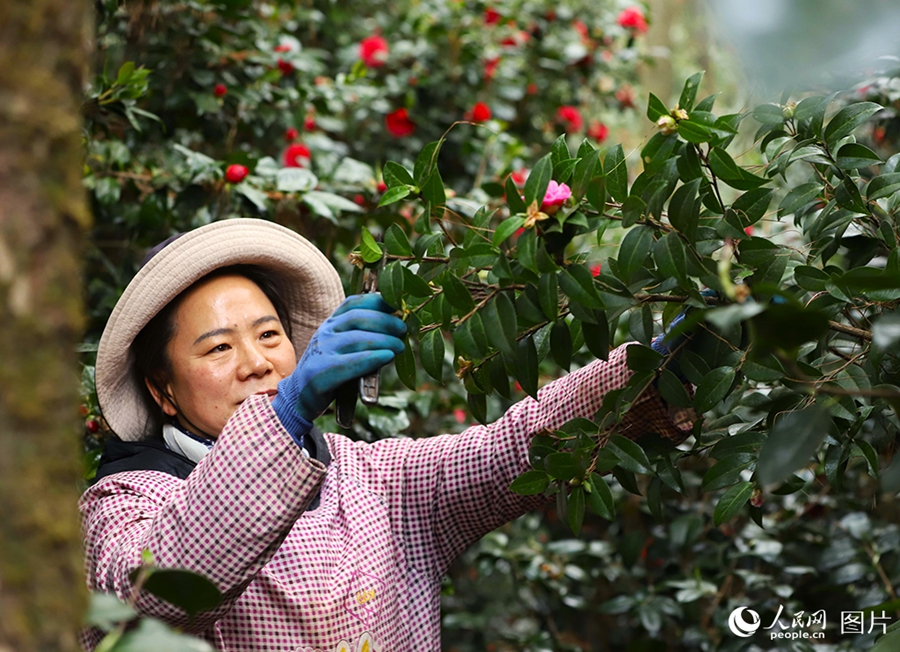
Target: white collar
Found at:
184, 444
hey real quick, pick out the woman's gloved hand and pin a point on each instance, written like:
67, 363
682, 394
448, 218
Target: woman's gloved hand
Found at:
674, 336
359, 337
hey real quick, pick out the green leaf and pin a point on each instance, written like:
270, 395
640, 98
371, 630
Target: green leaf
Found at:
723, 166
642, 358
390, 284
506, 228
810, 278
750, 207
577, 283
656, 108
559, 151
295, 180
531, 483
405, 365
672, 390
848, 196
477, 406
616, 174
576, 509
633, 208
457, 293
632, 456
396, 241
329, 199
500, 315
431, 353
394, 194
634, 250
432, 189
538, 180
415, 285
848, 119
694, 132
890, 642
883, 186
125, 71
596, 337
792, 442
548, 295
369, 248
561, 344
514, 198
395, 175
470, 338
526, 249
769, 114
600, 498
426, 161
106, 611
152, 635
671, 259
731, 502
188, 591
689, 92
713, 388
727, 471
684, 209
584, 171
799, 197
527, 366
853, 155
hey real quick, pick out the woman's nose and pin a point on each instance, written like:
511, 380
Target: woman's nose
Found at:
254, 362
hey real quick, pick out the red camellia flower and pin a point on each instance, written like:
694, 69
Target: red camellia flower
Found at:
219, 90
531, 89
633, 19
284, 47
491, 16
235, 173
359, 199
570, 117
296, 156
92, 425
286, 67
598, 131
581, 28
480, 112
382, 186
309, 123
625, 96
398, 123
519, 176
290, 134
460, 415
373, 51
596, 269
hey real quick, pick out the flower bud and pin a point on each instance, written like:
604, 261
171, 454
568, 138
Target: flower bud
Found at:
667, 125
788, 111
680, 114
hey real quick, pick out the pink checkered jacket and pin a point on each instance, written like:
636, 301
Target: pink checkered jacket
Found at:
362, 571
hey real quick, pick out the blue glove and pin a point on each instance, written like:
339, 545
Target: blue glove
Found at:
359, 337
667, 342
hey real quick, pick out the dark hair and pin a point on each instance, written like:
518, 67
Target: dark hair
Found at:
151, 358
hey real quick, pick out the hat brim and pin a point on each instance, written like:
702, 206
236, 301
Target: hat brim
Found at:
312, 288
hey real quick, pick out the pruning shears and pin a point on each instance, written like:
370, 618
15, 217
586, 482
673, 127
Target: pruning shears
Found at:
366, 387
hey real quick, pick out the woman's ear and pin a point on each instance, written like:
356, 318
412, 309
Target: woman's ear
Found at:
163, 397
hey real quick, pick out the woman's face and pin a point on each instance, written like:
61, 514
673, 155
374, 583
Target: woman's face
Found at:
228, 345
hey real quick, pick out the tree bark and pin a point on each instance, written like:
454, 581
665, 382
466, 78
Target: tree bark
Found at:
43, 216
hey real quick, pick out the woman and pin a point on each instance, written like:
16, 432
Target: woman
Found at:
317, 542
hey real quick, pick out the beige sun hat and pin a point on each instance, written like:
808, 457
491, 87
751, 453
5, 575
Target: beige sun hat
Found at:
312, 292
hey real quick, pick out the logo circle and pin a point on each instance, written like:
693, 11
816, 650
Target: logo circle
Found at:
743, 626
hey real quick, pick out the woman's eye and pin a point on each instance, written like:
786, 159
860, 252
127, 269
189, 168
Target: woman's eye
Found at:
219, 349
270, 334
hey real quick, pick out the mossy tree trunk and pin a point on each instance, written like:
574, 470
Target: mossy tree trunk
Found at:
43, 216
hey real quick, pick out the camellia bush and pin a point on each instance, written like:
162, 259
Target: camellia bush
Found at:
520, 242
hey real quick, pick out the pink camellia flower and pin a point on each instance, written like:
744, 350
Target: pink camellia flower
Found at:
556, 196
598, 131
284, 47
480, 112
570, 117
625, 96
460, 415
491, 16
398, 123
296, 156
373, 51
633, 19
